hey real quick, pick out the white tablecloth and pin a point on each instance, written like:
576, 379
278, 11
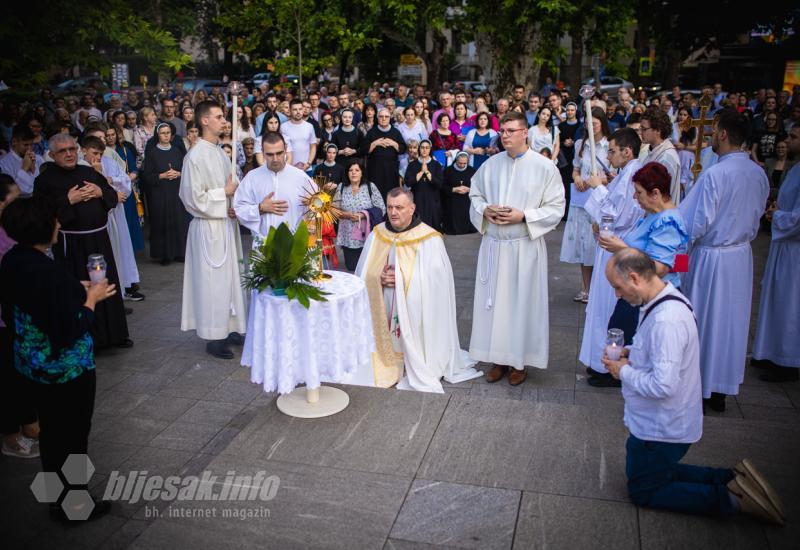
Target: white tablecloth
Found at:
287, 345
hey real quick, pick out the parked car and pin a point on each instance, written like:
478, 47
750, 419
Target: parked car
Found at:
264, 78
77, 85
611, 84
193, 84
474, 86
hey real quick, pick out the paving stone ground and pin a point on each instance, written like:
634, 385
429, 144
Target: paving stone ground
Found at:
484, 466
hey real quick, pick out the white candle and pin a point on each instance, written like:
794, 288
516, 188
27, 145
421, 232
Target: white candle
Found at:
97, 274
614, 352
235, 128
587, 92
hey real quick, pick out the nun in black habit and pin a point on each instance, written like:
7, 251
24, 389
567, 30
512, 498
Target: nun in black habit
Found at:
455, 196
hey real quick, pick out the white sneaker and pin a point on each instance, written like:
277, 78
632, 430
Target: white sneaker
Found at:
23, 447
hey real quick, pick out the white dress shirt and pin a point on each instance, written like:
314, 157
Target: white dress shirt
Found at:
661, 383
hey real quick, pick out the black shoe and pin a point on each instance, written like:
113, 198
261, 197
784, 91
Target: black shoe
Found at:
591, 372
133, 296
604, 380
761, 363
234, 339
179, 259
780, 374
716, 402
101, 508
126, 343
128, 310
219, 348
165, 262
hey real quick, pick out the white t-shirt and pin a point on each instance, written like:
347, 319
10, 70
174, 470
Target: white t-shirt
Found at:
301, 135
539, 141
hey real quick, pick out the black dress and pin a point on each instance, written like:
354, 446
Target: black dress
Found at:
333, 173
110, 326
427, 191
169, 221
455, 206
383, 164
351, 139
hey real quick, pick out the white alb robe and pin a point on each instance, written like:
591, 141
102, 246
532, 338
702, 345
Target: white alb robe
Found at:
118, 231
426, 315
666, 155
288, 185
778, 330
722, 216
213, 298
510, 324
616, 200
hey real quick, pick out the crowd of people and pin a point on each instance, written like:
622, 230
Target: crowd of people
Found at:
85, 176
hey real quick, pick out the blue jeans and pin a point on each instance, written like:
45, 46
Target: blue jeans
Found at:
656, 479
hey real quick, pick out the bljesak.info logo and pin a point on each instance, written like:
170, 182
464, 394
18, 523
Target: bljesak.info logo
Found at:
68, 487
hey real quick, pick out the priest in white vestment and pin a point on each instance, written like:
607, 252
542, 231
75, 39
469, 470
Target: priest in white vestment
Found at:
616, 201
213, 297
517, 198
271, 194
722, 216
777, 341
409, 281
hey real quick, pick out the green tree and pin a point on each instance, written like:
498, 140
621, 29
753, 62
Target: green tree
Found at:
45, 36
314, 32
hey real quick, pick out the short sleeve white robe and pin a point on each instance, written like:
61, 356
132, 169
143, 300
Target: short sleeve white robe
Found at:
615, 200
288, 185
213, 298
510, 324
722, 216
421, 342
778, 329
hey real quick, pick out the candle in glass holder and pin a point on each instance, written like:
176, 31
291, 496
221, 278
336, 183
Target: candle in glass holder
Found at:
615, 340
96, 267
607, 226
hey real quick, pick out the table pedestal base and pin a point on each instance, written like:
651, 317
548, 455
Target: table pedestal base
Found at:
316, 403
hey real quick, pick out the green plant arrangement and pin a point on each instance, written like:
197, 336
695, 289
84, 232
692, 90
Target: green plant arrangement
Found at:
284, 263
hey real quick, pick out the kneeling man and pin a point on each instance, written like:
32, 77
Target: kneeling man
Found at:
412, 298
663, 405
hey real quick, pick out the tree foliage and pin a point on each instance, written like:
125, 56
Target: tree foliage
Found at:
40, 36
314, 32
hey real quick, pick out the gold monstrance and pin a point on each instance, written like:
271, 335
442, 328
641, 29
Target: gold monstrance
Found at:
319, 202
699, 123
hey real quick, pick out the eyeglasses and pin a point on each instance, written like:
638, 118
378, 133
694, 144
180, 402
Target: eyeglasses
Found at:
644, 128
506, 131
384, 116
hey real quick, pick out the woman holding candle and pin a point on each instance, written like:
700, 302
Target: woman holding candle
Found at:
50, 315
661, 234
169, 221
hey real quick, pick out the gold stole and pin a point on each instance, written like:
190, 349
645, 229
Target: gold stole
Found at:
387, 364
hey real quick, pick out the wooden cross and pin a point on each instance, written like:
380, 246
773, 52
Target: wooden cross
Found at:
699, 123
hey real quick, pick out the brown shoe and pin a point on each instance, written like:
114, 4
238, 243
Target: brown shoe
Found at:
747, 470
497, 372
752, 502
517, 377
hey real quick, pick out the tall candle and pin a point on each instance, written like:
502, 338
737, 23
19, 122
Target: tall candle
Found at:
586, 93
235, 128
